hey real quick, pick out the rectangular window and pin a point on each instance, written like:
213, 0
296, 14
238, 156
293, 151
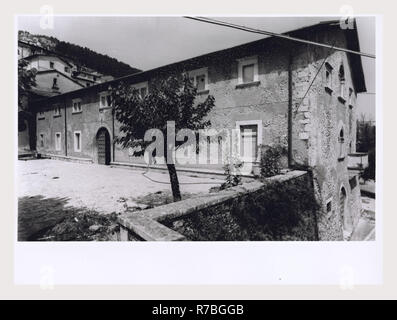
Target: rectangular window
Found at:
143, 92
248, 73
55, 83
249, 141
57, 112
76, 106
328, 76
41, 140
105, 100
41, 115
57, 141
200, 82
342, 90
248, 70
67, 69
51, 65
329, 206
77, 141
350, 96
199, 77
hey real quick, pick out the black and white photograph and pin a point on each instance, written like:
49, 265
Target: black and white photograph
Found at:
196, 128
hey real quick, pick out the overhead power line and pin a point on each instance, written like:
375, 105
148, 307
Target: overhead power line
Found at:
278, 35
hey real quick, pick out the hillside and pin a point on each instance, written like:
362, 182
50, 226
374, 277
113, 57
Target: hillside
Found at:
82, 56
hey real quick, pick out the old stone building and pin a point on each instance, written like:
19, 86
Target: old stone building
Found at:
258, 89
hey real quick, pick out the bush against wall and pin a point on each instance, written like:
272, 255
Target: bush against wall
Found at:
271, 161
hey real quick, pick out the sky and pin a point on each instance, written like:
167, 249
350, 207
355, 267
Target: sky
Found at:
149, 42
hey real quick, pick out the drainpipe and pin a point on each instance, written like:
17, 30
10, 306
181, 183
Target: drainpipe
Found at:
290, 162
66, 129
113, 148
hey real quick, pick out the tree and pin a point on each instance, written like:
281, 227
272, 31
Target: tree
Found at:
366, 140
26, 80
170, 98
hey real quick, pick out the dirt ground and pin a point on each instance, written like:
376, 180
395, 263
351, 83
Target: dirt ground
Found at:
97, 187
65, 199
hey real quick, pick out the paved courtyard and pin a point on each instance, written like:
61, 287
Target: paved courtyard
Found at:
97, 187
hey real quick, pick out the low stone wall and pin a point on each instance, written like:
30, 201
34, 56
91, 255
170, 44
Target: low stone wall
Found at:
65, 158
268, 210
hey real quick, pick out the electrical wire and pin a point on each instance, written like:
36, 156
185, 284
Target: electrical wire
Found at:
278, 35
314, 78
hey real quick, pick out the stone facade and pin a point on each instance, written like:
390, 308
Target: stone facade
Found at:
319, 131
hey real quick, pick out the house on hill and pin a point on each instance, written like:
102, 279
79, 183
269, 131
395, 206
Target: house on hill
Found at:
258, 89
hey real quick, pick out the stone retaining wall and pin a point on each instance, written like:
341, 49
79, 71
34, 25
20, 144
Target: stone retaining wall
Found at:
215, 216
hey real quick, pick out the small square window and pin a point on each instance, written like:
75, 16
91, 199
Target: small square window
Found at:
200, 82
350, 96
67, 69
41, 115
248, 73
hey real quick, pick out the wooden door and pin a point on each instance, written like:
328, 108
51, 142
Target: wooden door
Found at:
103, 145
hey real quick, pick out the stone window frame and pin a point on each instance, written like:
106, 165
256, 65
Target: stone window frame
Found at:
200, 72
259, 137
74, 141
350, 98
58, 148
105, 94
140, 85
80, 109
328, 80
244, 62
42, 139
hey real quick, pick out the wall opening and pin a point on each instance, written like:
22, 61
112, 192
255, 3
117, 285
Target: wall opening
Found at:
103, 146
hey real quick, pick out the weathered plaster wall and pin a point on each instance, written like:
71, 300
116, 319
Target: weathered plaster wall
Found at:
44, 81
315, 131
266, 100
88, 122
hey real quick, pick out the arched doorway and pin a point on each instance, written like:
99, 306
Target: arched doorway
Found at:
103, 146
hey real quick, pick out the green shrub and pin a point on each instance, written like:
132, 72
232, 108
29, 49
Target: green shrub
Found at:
232, 172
